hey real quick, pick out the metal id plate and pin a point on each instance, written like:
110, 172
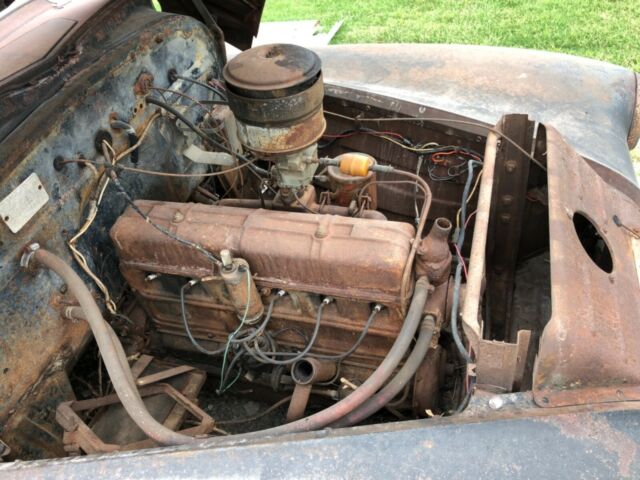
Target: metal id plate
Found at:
17, 208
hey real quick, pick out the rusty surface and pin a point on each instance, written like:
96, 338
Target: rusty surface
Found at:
79, 437
345, 188
143, 84
428, 380
312, 370
509, 194
36, 32
590, 349
279, 110
501, 365
270, 68
242, 290
308, 199
112, 423
38, 345
348, 257
434, 254
275, 140
358, 261
276, 92
163, 375
471, 312
299, 401
552, 88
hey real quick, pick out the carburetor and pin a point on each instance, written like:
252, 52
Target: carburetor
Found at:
275, 92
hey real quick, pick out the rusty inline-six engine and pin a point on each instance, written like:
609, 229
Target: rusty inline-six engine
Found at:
208, 235
307, 285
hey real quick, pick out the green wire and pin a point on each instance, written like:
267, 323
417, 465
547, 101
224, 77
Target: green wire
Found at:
156, 5
221, 388
234, 381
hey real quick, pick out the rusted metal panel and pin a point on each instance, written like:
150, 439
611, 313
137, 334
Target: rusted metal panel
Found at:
554, 89
590, 349
501, 365
509, 194
327, 254
37, 30
36, 342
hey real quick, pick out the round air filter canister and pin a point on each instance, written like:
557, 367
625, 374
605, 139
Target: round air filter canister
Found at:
276, 92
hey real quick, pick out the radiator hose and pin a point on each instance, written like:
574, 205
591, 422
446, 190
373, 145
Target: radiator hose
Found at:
111, 350
124, 385
375, 381
395, 386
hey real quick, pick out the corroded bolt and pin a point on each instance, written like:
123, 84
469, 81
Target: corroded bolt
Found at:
510, 166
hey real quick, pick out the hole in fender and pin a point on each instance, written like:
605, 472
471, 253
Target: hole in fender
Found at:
593, 242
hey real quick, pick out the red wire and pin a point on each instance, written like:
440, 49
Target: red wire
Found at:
469, 218
464, 265
339, 136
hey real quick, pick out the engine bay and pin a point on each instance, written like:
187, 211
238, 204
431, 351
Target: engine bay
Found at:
300, 266
236, 246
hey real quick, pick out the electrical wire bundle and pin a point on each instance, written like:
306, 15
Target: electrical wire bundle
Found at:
252, 341
438, 155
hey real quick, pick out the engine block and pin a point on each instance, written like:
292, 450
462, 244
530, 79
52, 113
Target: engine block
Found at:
358, 262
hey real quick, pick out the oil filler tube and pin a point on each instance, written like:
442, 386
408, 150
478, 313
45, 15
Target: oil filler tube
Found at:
234, 272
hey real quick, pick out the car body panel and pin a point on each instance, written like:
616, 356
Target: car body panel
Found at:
591, 103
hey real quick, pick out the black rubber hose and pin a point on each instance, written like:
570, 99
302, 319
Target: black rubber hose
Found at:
395, 386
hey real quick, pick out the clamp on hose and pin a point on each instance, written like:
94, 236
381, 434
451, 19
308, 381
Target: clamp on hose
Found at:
26, 256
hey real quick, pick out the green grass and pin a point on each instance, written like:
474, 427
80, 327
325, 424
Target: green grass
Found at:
603, 29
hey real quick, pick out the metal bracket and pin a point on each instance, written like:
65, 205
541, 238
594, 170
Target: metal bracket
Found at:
79, 437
